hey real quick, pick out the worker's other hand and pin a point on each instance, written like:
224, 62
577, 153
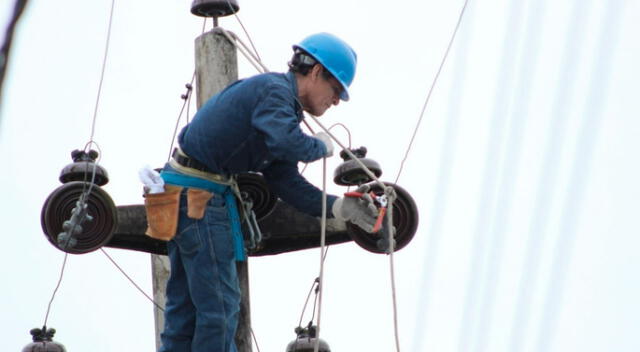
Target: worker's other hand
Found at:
324, 138
358, 210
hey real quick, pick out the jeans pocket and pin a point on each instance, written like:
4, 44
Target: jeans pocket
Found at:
188, 236
218, 230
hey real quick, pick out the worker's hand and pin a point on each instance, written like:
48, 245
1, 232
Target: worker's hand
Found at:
324, 138
358, 210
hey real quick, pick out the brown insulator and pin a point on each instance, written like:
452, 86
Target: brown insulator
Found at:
43, 341
306, 341
350, 172
214, 8
84, 168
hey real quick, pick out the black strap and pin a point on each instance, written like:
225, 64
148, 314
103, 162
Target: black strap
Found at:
188, 162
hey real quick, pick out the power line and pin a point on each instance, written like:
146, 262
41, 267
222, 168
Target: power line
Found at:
104, 65
441, 190
245, 31
433, 84
55, 290
131, 280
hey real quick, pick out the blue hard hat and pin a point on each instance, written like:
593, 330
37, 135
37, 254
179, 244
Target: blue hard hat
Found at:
335, 55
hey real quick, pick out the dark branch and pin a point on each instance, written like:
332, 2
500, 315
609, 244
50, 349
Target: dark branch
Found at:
8, 38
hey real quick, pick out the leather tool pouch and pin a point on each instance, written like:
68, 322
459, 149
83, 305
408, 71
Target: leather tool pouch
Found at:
162, 213
197, 202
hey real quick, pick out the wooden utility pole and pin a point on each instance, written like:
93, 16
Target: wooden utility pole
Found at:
216, 67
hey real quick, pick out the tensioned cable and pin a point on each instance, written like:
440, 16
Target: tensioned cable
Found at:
104, 65
331, 127
244, 29
255, 340
389, 215
64, 264
431, 249
323, 235
131, 280
187, 100
433, 84
85, 193
256, 62
306, 302
253, 59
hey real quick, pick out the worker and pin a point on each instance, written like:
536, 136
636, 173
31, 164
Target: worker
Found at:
250, 126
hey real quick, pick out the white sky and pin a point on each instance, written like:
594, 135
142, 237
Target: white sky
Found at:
524, 170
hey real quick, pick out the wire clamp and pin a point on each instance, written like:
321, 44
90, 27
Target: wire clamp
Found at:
73, 226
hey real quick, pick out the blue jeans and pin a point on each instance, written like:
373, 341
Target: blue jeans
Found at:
203, 295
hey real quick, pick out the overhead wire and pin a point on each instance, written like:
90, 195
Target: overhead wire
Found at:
448, 149
331, 127
315, 283
104, 65
255, 339
433, 84
55, 290
86, 192
323, 235
235, 13
187, 101
389, 215
130, 279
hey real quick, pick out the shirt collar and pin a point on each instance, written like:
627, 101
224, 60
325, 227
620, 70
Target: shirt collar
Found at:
293, 83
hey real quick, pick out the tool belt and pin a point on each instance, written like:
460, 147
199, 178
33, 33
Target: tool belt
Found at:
187, 165
201, 185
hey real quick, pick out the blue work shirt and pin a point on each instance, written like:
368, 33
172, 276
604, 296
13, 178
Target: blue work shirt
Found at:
254, 125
